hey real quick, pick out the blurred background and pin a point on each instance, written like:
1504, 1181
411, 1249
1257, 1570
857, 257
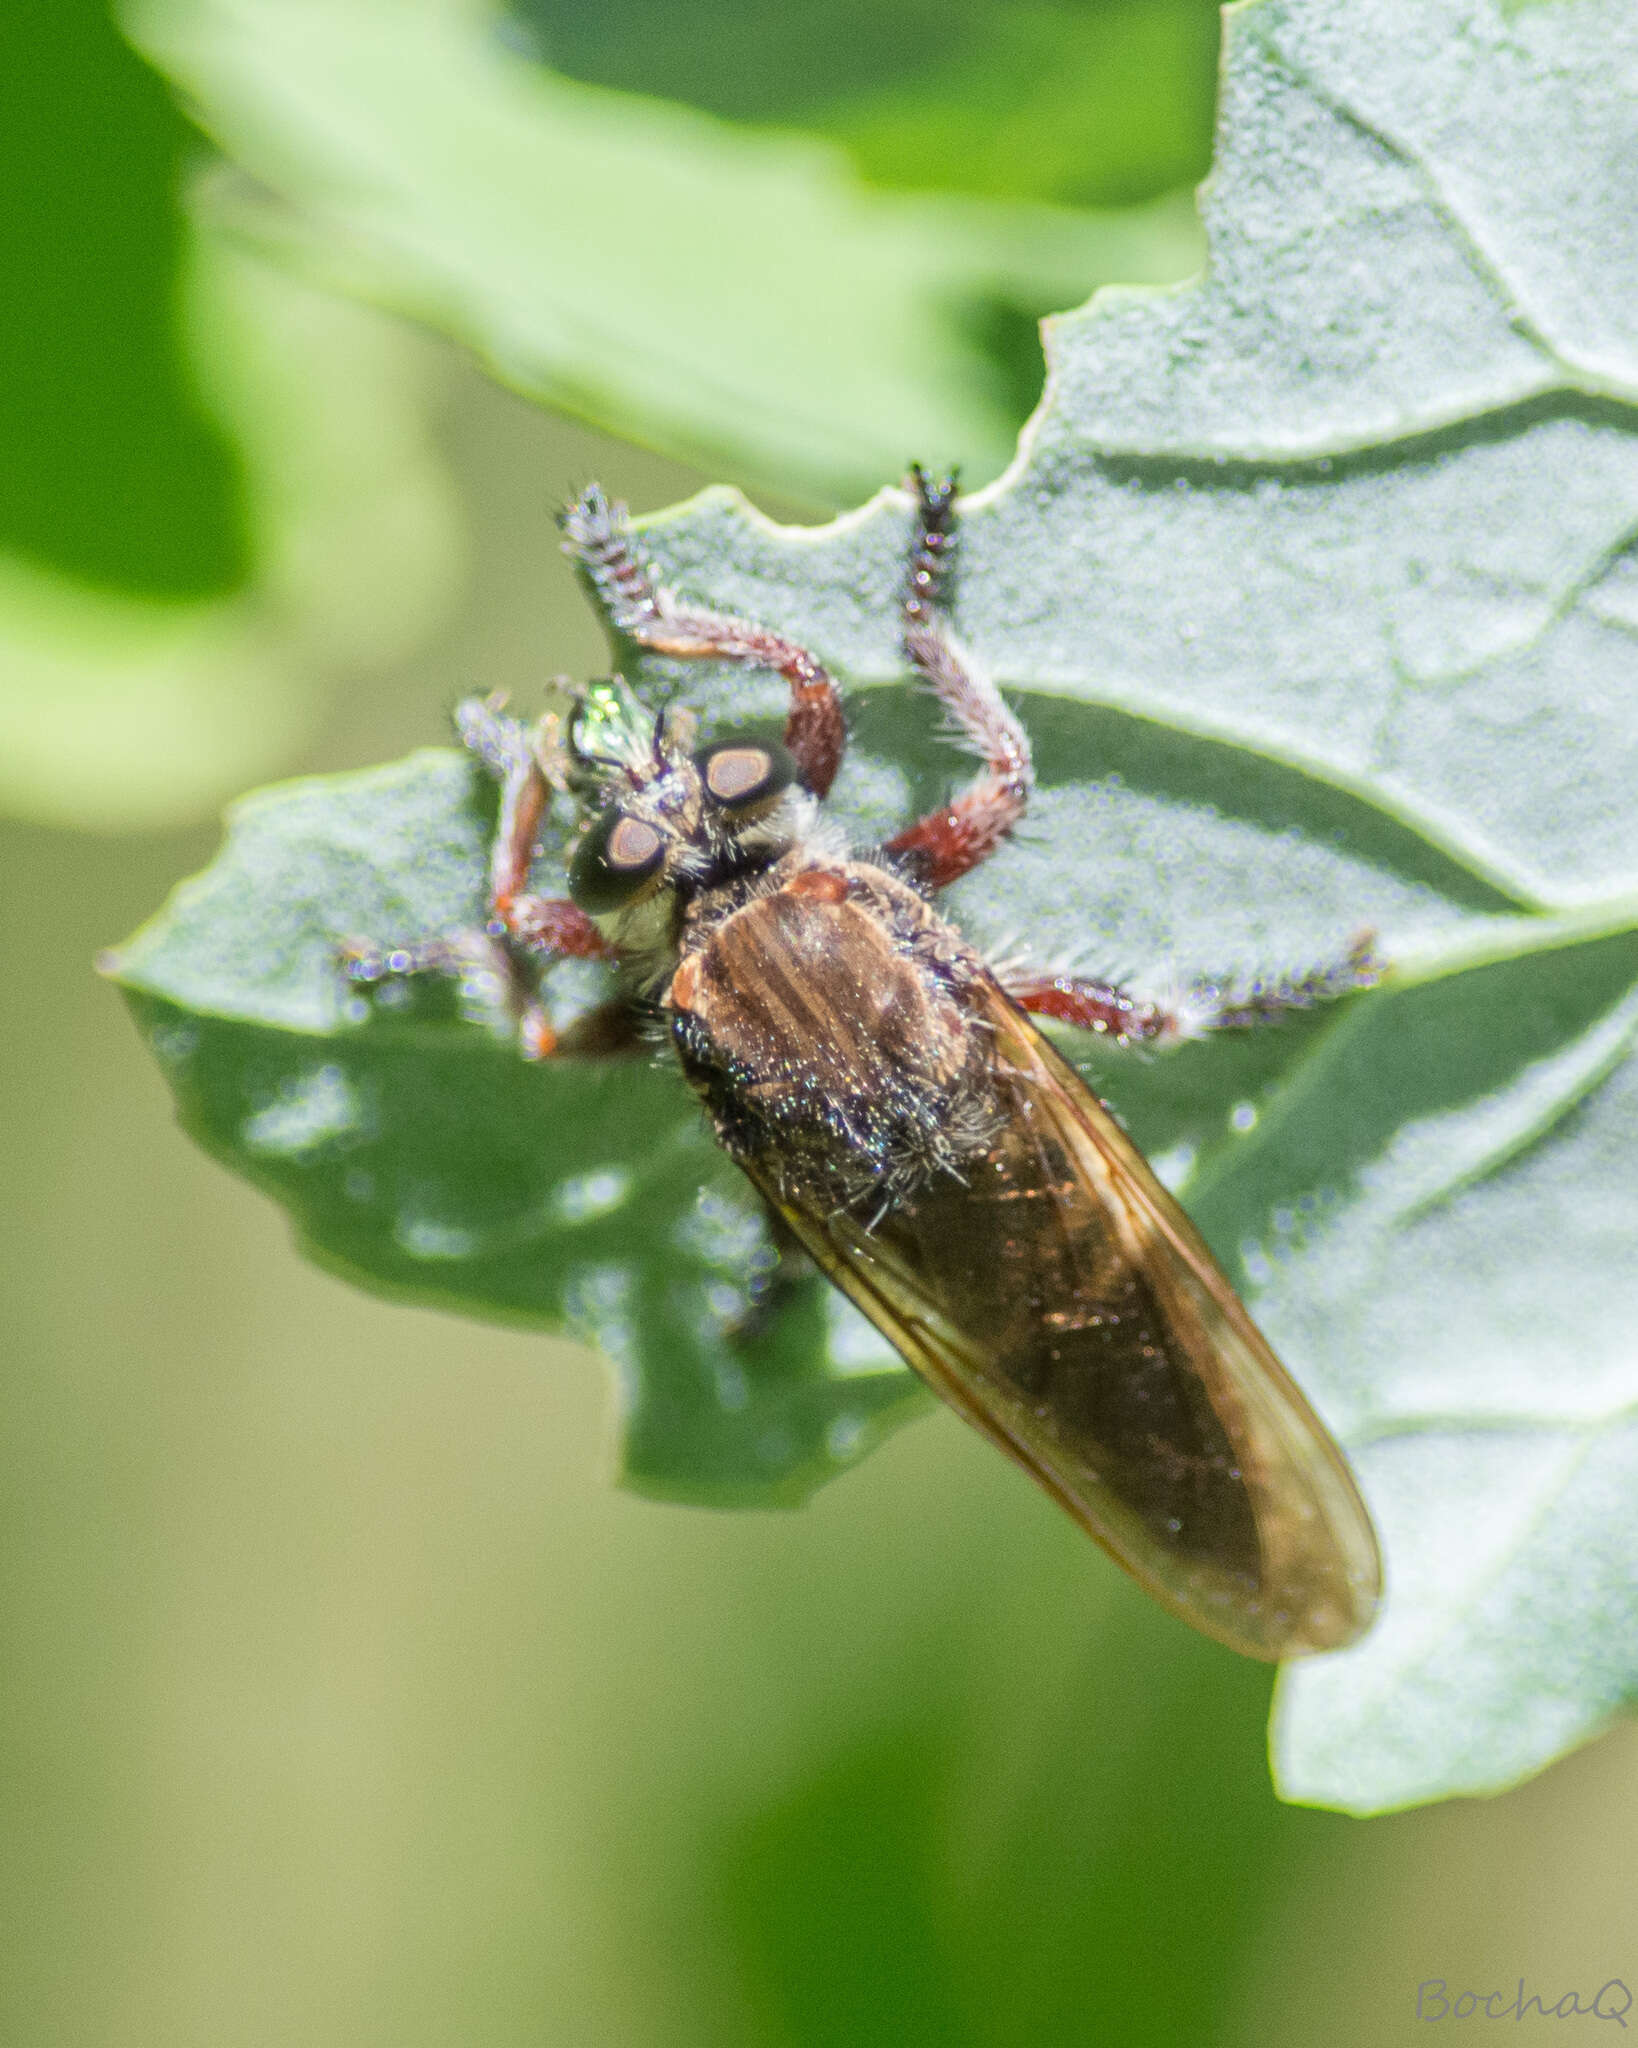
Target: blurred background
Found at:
344, 1702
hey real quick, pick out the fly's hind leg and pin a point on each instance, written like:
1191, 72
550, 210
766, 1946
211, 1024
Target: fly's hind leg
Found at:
1211, 1003
953, 840
500, 965
598, 535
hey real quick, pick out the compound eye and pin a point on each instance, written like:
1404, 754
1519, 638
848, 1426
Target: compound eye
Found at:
740, 774
615, 861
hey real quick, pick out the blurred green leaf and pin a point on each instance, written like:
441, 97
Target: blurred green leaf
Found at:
735, 298
119, 708
1103, 1890
1319, 583
114, 471
1098, 104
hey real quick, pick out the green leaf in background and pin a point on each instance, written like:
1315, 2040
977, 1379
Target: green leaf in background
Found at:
115, 474
219, 494
1090, 105
1318, 585
123, 708
735, 298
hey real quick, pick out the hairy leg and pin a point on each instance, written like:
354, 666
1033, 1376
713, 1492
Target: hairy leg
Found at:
598, 536
953, 840
498, 978
501, 963
1210, 1004
549, 926
490, 976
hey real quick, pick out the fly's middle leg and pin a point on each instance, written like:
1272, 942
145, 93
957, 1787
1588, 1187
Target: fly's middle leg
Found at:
500, 979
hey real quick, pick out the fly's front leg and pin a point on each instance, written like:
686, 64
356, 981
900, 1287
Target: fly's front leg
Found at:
598, 535
504, 747
1209, 1004
550, 927
500, 965
528, 931
953, 840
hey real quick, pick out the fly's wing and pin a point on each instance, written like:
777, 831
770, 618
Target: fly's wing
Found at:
1062, 1302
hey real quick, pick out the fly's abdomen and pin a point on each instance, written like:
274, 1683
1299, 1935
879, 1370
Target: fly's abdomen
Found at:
1072, 1340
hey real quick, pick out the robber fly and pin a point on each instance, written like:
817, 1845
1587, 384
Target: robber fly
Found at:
908, 1126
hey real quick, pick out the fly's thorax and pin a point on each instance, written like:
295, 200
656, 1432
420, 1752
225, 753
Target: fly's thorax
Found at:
824, 1022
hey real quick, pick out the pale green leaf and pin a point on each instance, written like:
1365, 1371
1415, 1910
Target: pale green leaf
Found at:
734, 297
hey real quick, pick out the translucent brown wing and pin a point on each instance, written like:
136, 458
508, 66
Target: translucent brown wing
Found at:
1063, 1303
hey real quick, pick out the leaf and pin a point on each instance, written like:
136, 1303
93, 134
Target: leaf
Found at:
119, 709
735, 298
1317, 585
92, 243
1096, 106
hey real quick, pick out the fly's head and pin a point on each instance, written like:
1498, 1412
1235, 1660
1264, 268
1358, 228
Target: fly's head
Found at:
665, 819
